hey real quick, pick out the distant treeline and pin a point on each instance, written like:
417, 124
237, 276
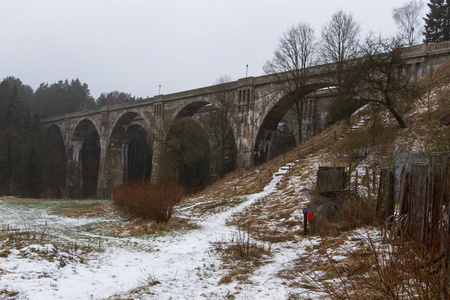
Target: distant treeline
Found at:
27, 159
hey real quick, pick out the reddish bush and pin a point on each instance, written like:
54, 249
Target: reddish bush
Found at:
148, 201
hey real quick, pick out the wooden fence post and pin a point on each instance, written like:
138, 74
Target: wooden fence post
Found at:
374, 183
368, 182
305, 222
386, 199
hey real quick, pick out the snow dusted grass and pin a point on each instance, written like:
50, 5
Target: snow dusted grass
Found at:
278, 216
85, 249
203, 262
178, 265
313, 271
181, 264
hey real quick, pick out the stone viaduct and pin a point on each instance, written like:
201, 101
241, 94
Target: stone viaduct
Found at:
99, 139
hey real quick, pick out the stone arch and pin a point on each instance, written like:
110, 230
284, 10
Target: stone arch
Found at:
198, 111
76, 129
135, 115
270, 124
189, 108
222, 142
185, 133
129, 152
83, 160
55, 163
54, 128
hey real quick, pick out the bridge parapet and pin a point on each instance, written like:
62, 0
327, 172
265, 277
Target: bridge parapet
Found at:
423, 51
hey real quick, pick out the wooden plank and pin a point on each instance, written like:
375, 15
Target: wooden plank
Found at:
331, 179
386, 199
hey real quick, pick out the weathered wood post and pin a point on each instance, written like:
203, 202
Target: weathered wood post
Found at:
374, 183
331, 179
386, 199
311, 223
305, 221
368, 182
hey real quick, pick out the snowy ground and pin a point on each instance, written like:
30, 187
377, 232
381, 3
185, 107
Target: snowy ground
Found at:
180, 265
176, 265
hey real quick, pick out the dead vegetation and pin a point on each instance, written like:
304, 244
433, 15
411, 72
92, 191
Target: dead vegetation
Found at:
369, 268
362, 267
242, 255
8, 294
86, 210
148, 201
202, 209
139, 227
341, 212
343, 265
271, 220
248, 181
43, 245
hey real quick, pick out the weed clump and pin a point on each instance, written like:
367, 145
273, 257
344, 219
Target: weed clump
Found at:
342, 212
8, 294
148, 201
400, 269
242, 255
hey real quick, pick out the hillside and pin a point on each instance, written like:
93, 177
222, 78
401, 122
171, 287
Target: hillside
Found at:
366, 144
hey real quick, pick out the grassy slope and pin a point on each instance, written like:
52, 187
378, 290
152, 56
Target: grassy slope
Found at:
423, 134
371, 145
277, 217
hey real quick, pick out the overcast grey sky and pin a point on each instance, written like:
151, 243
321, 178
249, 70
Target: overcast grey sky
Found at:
135, 45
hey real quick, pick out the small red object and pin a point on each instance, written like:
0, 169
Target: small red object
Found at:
310, 217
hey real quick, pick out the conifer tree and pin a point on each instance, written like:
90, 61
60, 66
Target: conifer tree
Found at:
437, 22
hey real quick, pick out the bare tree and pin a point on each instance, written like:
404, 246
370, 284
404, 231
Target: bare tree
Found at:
185, 160
430, 81
218, 120
295, 53
408, 21
384, 80
339, 47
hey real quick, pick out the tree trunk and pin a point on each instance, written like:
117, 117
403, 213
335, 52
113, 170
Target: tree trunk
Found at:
299, 110
397, 117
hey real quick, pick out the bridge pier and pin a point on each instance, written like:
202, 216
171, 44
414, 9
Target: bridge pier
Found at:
156, 159
114, 169
103, 191
244, 154
74, 179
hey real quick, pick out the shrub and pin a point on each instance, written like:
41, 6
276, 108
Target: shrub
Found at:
398, 270
341, 212
242, 247
242, 255
148, 201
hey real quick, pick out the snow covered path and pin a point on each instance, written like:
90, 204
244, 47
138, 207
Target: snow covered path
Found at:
185, 264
